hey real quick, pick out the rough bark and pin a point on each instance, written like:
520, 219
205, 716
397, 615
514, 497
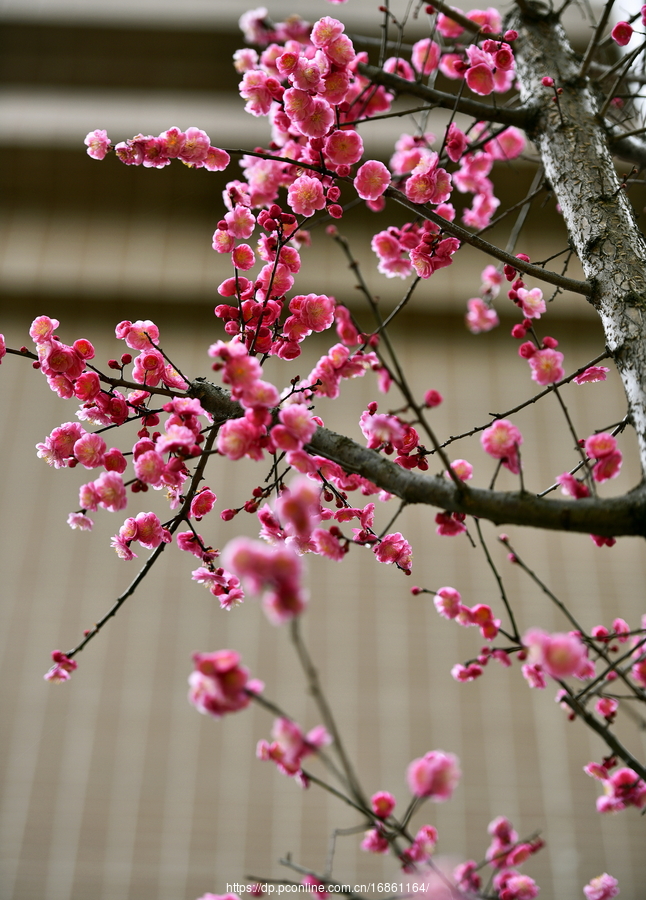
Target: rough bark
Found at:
574, 149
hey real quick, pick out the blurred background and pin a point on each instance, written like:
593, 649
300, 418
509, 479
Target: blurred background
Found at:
112, 785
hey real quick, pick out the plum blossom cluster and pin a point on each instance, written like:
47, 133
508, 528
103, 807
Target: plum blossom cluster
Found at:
602, 448
308, 85
219, 684
146, 529
275, 571
389, 433
505, 853
481, 315
415, 247
472, 174
622, 788
290, 746
192, 147
63, 365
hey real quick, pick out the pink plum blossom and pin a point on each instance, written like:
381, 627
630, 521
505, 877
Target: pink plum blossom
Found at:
571, 486
374, 842
238, 438
509, 144
462, 468
501, 440
592, 374
382, 804
78, 520
531, 302
603, 448
466, 673
290, 746
480, 317
425, 56
219, 685
326, 30
306, 195
434, 775
603, 887
202, 503
58, 447
428, 182
394, 548
561, 655
89, 450
546, 366
519, 887
299, 507
448, 602
456, 142
344, 147
276, 570
450, 524
319, 119
480, 79
98, 144
138, 335
622, 788
62, 668
371, 180
599, 445
107, 491
622, 33
534, 676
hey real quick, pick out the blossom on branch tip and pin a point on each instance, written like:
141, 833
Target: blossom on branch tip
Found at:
98, 143
62, 668
394, 548
622, 33
466, 673
592, 374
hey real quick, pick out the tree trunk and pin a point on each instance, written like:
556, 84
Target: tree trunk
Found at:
600, 221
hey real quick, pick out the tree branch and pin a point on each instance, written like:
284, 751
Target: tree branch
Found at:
568, 284
625, 515
521, 117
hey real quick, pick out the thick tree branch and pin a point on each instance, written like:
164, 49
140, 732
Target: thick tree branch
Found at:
467, 237
624, 515
521, 117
